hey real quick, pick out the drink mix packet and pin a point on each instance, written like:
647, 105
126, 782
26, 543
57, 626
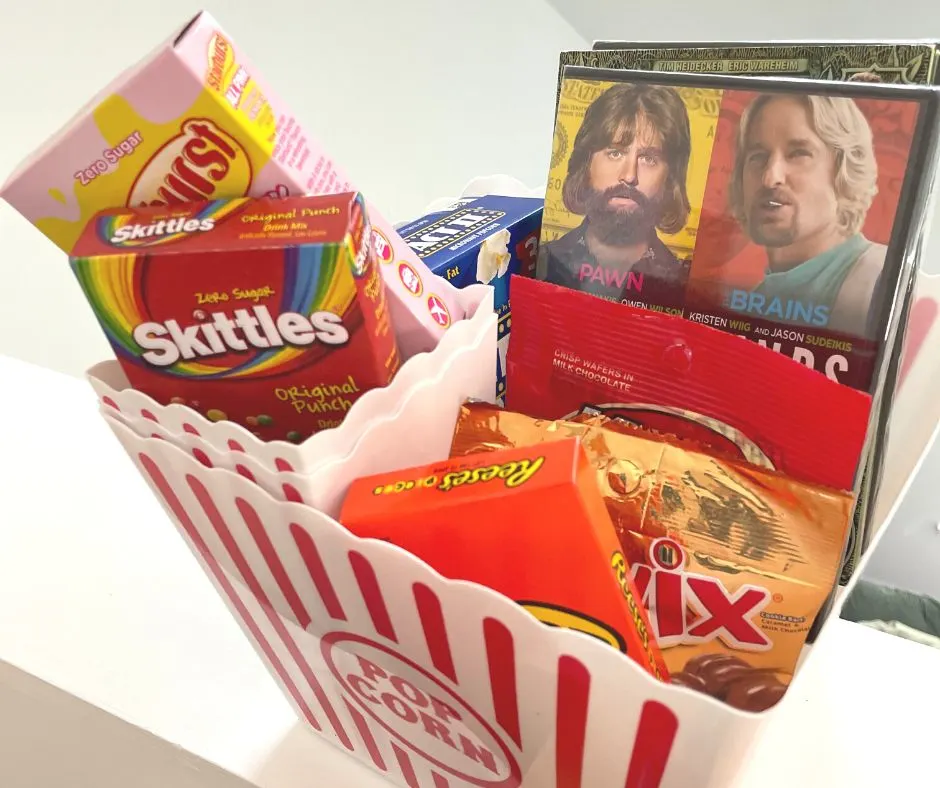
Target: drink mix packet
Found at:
679, 377
732, 561
194, 121
528, 522
280, 330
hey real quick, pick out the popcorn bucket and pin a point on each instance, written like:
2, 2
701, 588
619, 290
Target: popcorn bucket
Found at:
432, 682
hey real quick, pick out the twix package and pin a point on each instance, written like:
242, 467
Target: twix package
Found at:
194, 121
528, 522
733, 562
661, 371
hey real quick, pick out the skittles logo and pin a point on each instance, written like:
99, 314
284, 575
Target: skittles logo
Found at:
201, 163
417, 710
131, 231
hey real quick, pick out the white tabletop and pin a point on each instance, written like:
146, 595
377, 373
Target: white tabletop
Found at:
102, 600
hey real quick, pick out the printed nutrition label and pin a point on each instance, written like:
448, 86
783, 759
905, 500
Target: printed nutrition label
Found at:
291, 147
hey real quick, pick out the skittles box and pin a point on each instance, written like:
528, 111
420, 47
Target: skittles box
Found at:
528, 522
191, 122
270, 313
482, 239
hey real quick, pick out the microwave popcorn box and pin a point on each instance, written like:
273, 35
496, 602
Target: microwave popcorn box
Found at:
270, 312
528, 522
481, 240
194, 121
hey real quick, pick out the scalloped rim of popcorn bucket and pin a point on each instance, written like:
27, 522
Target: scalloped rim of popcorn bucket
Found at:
113, 390
423, 416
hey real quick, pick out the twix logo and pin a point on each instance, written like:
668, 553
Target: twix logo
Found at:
687, 608
202, 162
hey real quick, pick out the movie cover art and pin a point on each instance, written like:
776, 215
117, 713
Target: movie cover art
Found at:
628, 175
797, 237
901, 62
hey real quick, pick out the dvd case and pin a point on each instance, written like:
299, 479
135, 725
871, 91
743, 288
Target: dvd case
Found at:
899, 61
731, 242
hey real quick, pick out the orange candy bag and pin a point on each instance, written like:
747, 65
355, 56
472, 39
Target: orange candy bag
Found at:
732, 561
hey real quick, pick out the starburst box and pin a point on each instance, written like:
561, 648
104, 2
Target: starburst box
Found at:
195, 121
271, 313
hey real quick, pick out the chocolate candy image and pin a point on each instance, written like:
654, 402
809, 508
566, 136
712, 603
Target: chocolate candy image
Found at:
755, 692
718, 672
732, 680
294, 437
214, 414
265, 420
690, 680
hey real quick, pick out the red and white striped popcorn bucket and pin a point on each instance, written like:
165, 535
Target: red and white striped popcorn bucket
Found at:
432, 682
435, 683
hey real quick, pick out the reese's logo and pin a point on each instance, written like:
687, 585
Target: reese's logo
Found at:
512, 474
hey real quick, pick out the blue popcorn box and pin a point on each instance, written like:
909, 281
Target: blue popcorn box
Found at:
482, 240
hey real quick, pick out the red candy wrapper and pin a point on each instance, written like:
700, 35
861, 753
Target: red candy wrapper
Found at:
681, 378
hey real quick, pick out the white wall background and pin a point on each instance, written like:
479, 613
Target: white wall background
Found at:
737, 20
440, 107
